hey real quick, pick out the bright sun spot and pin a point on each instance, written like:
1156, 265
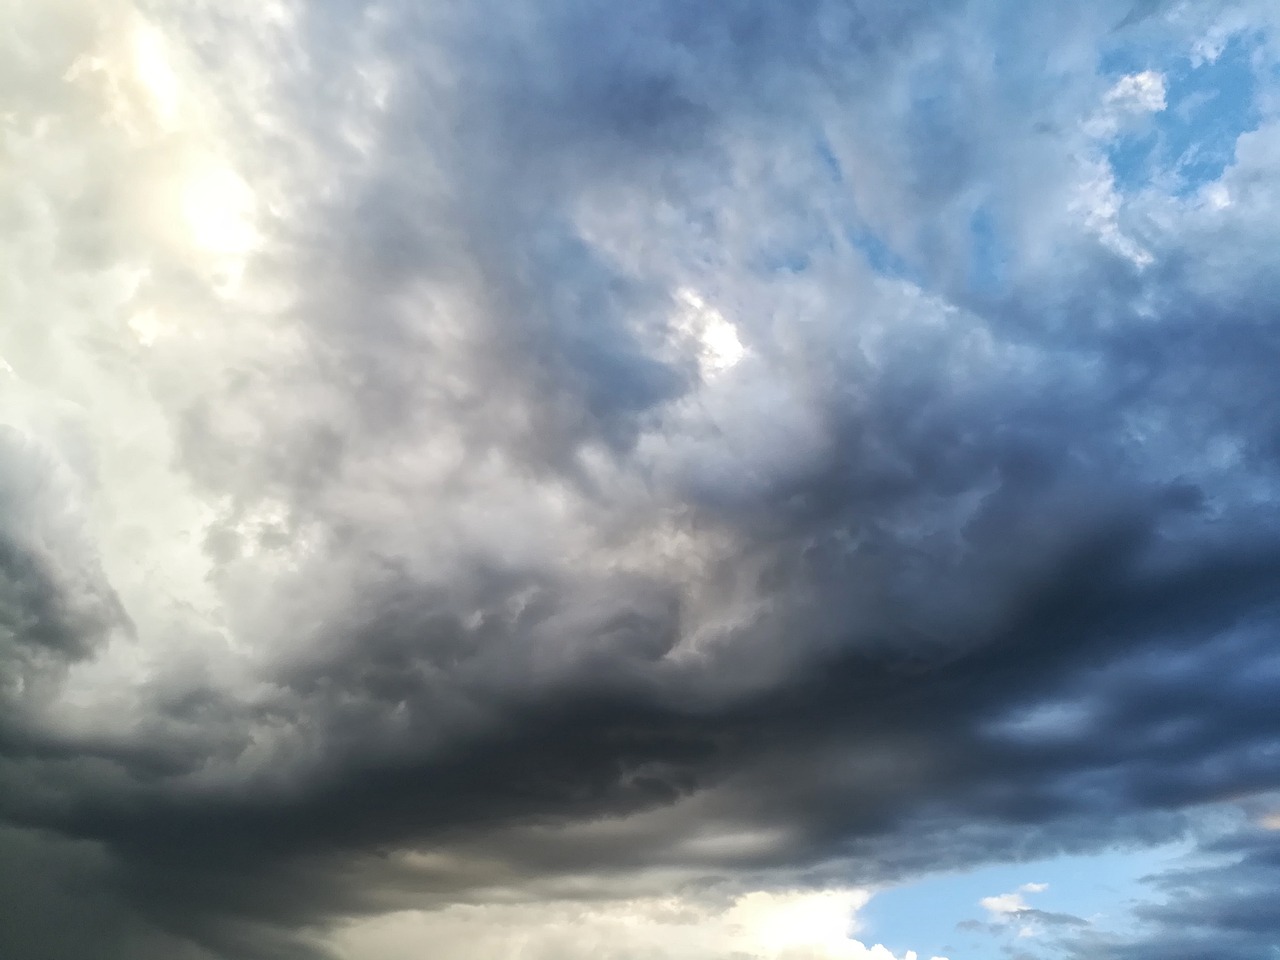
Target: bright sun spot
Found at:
217, 206
818, 921
152, 68
715, 338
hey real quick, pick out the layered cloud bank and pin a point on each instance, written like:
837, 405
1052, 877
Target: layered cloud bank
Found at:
555, 479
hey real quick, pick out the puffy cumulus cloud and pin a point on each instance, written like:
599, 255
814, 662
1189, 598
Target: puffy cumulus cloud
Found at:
1010, 916
1004, 904
474, 465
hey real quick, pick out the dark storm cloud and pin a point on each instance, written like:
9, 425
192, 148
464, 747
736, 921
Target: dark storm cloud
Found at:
983, 575
864, 749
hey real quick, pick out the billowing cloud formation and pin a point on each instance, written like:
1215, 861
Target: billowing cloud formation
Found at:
784, 925
565, 462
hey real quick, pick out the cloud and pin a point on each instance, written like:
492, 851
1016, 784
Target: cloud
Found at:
1216, 903
1006, 904
1010, 914
796, 925
483, 467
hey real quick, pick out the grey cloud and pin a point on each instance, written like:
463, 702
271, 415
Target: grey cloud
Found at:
539, 576
55, 603
1221, 904
1053, 919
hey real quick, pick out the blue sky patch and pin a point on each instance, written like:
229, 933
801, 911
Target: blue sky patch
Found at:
1192, 141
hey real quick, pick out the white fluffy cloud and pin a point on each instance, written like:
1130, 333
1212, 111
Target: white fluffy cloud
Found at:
1010, 904
795, 925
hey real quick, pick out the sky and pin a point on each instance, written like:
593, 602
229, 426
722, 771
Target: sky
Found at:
565, 479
